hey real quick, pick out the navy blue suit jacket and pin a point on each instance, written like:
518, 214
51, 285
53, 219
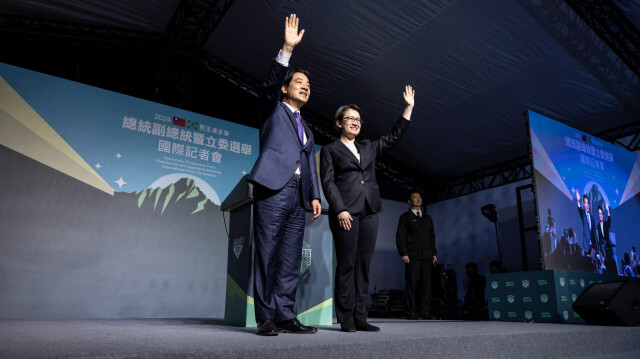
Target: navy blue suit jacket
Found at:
280, 148
347, 182
588, 235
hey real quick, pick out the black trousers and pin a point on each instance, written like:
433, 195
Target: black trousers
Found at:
354, 250
418, 271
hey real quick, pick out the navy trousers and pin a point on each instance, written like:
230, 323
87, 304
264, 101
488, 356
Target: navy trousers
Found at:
278, 233
354, 251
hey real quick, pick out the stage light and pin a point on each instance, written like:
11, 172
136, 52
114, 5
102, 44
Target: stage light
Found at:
490, 212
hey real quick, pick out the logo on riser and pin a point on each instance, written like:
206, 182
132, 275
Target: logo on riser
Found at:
238, 243
306, 257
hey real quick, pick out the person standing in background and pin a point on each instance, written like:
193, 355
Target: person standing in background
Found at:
416, 242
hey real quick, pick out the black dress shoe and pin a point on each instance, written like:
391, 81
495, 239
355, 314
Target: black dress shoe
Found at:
266, 327
412, 316
347, 327
294, 326
366, 327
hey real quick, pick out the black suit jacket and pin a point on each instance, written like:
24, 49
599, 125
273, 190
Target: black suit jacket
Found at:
347, 183
603, 238
415, 236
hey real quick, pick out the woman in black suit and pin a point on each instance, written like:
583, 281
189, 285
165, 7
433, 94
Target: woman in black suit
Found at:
347, 168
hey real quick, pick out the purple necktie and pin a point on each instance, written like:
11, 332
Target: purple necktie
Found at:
300, 127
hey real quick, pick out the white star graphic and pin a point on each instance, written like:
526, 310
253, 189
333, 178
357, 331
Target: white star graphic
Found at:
120, 182
97, 166
118, 155
244, 172
617, 192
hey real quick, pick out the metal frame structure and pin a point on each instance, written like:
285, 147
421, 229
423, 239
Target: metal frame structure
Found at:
501, 174
613, 27
39, 29
191, 26
627, 136
523, 229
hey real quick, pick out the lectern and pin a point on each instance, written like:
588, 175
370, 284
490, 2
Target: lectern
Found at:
315, 288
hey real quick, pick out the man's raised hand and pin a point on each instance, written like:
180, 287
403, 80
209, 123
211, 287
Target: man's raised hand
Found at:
291, 35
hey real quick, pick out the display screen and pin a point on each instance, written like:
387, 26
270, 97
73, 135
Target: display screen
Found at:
587, 200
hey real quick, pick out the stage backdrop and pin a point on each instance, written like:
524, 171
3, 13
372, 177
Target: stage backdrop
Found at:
110, 204
596, 234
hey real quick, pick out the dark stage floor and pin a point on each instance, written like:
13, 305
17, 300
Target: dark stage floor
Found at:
209, 338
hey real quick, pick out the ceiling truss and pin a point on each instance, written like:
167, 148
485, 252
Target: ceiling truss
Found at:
613, 27
191, 26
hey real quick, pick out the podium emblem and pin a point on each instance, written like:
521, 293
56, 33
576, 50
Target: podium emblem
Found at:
306, 257
237, 246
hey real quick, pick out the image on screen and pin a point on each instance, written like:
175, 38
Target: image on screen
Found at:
587, 199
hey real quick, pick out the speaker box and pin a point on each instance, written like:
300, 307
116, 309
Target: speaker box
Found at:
615, 303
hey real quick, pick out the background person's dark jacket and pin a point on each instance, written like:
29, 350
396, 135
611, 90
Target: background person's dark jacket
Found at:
415, 236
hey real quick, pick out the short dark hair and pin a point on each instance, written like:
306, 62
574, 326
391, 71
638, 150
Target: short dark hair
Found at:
585, 196
292, 71
341, 111
289, 76
600, 209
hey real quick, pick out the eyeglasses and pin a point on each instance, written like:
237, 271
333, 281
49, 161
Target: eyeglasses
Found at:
353, 120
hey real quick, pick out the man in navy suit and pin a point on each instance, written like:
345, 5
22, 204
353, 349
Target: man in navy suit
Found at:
588, 225
285, 179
